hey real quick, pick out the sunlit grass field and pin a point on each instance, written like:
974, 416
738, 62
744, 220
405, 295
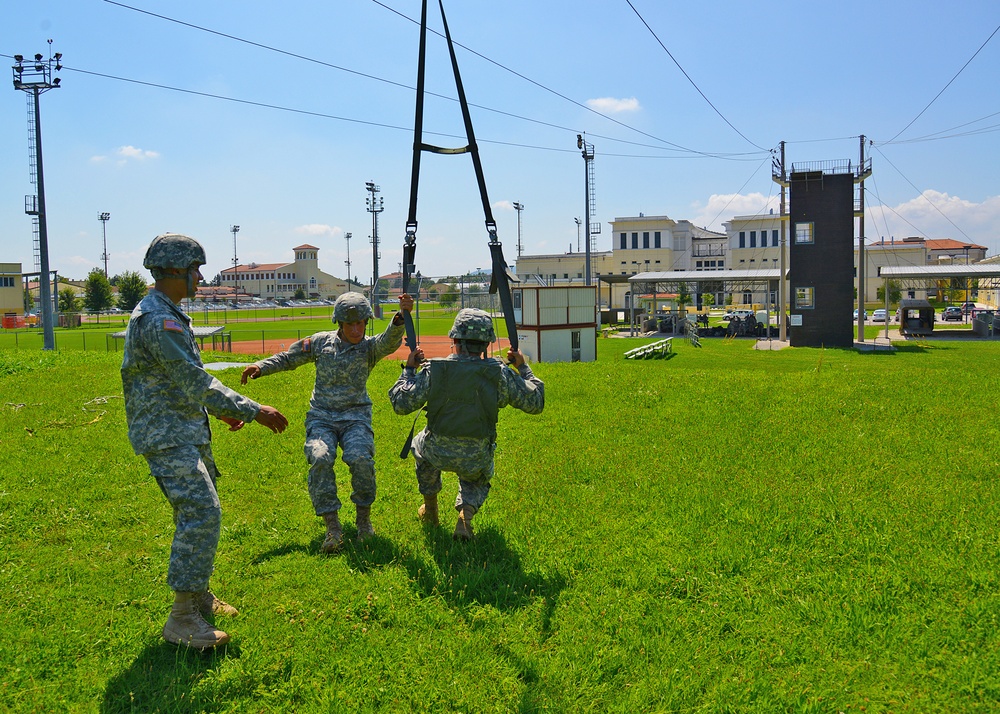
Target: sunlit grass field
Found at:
725, 530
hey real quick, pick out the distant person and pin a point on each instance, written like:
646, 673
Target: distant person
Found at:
340, 410
464, 393
168, 397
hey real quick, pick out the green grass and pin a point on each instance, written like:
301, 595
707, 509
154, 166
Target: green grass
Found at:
725, 530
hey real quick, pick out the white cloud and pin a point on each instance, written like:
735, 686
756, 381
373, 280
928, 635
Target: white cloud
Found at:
131, 152
936, 215
723, 207
318, 229
611, 105
98, 159
503, 205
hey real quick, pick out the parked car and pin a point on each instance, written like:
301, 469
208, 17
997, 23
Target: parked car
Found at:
742, 314
880, 315
856, 316
952, 312
968, 307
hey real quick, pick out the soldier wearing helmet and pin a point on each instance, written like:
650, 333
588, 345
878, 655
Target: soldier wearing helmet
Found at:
168, 397
464, 393
340, 410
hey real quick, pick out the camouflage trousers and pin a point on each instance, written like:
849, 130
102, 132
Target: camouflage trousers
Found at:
357, 445
471, 460
186, 475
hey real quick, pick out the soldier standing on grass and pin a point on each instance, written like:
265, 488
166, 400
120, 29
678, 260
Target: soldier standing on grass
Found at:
464, 393
340, 410
168, 397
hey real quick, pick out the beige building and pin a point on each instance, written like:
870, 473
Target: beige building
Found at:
11, 290
272, 281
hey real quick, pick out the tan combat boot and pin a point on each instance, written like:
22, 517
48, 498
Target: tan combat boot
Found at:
186, 626
208, 604
463, 529
364, 523
428, 511
334, 533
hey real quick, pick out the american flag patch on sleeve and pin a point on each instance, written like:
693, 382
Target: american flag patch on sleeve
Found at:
307, 344
172, 325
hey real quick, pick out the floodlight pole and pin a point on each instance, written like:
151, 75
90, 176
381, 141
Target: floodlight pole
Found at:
236, 267
103, 218
374, 207
34, 79
587, 150
347, 237
518, 207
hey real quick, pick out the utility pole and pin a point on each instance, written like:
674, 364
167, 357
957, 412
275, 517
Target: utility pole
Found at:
778, 176
103, 218
374, 207
34, 79
577, 234
588, 162
347, 237
518, 207
236, 267
863, 172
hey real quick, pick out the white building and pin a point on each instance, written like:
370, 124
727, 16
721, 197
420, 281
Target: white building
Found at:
282, 280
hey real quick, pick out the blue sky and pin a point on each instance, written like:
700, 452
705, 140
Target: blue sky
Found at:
288, 109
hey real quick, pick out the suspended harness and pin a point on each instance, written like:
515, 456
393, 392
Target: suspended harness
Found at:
501, 279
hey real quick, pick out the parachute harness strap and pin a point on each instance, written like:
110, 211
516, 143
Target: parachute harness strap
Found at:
501, 280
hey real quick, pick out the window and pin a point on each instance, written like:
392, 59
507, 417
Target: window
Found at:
575, 339
656, 240
804, 233
635, 241
645, 239
774, 238
722, 264
624, 241
565, 276
697, 264
805, 298
747, 297
753, 239
743, 239
678, 241
6, 282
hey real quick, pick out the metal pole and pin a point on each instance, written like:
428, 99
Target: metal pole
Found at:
518, 207
103, 218
782, 289
588, 155
44, 285
861, 246
236, 268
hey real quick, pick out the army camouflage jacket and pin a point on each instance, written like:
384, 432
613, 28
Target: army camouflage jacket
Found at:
342, 369
168, 393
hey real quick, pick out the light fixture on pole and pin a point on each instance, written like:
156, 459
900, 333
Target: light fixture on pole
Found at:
34, 79
578, 222
347, 237
236, 267
518, 207
103, 218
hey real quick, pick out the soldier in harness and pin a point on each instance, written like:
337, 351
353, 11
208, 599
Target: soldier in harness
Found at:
463, 393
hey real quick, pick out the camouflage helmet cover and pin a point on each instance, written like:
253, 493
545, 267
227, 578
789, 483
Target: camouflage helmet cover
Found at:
472, 324
173, 250
351, 307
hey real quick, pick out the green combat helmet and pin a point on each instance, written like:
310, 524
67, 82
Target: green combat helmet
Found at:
351, 307
173, 250
472, 325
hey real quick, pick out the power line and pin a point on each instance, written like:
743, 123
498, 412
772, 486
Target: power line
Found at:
946, 86
693, 84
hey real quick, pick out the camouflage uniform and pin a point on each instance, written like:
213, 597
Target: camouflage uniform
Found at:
340, 410
469, 457
168, 397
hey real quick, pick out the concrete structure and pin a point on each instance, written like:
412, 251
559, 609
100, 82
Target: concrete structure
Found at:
281, 280
556, 324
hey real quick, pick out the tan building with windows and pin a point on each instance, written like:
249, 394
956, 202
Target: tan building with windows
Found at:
11, 289
271, 281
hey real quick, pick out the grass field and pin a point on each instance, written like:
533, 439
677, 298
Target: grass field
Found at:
723, 531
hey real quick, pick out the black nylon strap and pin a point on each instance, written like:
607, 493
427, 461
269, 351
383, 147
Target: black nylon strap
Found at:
501, 282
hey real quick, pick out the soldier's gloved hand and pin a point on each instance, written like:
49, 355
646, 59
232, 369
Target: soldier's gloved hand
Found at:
406, 302
251, 372
515, 358
272, 419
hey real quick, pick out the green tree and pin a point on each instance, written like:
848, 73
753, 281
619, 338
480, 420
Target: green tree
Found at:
449, 297
131, 289
29, 300
895, 292
97, 294
68, 301
300, 294
683, 294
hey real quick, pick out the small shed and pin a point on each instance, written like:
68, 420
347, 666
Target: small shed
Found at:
557, 323
915, 317
221, 341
